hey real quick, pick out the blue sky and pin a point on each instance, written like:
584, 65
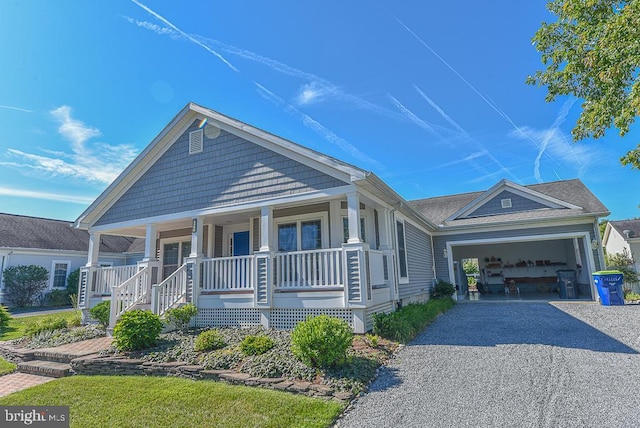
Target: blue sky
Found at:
428, 95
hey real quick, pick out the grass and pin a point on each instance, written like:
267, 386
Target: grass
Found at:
134, 401
17, 326
403, 325
6, 367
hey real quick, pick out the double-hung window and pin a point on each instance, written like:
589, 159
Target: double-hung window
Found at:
402, 251
59, 273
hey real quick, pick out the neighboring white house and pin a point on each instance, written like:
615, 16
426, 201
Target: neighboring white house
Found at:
257, 230
623, 235
57, 246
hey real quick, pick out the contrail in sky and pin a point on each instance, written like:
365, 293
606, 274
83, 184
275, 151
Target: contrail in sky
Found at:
17, 108
187, 36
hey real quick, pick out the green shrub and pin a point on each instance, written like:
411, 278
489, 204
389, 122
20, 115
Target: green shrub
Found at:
73, 282
181, 317
209, 340
321, 341
24, 284
47, 324
101, 313
371, 339
137, 329
56, 298
256, 345
443, 290
76, 321
5, 316
630, 295
404, 324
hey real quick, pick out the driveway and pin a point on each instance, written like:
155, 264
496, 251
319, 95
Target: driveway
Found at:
512, 364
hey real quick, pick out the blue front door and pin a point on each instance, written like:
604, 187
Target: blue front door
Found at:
241, 243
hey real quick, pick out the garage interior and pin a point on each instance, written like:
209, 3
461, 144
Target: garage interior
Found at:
533, 269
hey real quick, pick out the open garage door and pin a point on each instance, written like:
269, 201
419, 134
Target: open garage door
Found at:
533, 267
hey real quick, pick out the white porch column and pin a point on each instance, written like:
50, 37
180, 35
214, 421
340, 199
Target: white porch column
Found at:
335, 220
384, 229
197, 235
266, 228
210, 240
353, 213
150, 242
94, 249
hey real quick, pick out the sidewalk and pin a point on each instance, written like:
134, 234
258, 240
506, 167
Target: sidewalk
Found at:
38, 311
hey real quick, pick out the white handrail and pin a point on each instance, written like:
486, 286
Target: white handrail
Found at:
132, 292
227, 273
170, 291
310, 269
107, 277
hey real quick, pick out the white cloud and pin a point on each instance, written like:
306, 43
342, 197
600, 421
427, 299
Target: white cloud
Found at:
8, 191
98, 163
412, 116
311, 93
163, 31
16, 108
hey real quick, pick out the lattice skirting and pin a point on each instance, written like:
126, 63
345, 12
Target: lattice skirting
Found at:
383, 307
228, 317
286, 319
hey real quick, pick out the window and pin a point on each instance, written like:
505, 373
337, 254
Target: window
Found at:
402, 250
506, 203
59, 273
300, 235
345, 229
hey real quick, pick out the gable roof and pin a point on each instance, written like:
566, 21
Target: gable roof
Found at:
571, 199
23, 232
631, 225
327, 164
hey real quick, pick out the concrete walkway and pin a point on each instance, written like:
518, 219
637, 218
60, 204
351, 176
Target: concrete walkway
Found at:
512, 365
31, 313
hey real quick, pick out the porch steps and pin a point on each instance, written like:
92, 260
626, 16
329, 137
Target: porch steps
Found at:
45, 368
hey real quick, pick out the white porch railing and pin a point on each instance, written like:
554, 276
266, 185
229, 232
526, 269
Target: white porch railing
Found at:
310, 269
169, 292
130, 293
228, 273
107, 277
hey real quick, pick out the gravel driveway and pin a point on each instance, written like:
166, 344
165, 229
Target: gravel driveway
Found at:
512, 364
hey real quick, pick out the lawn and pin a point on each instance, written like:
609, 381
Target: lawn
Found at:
133, 401
6, 367
17, 326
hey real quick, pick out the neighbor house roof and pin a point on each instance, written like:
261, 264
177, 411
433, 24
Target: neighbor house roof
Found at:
439, 210
18, 231
631, 225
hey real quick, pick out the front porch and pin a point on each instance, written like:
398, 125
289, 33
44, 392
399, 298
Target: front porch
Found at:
227, 265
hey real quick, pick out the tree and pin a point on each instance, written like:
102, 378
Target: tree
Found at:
23, 284
624, 263
592, 52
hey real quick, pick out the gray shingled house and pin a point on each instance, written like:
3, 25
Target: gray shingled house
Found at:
255, 229
624, 235
57, 246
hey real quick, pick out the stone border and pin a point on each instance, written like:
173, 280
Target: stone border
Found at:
96, 365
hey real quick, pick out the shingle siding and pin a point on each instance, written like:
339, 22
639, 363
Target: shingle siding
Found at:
229, 170
518, 203
419, 261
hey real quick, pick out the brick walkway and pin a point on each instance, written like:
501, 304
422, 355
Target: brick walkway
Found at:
18, 381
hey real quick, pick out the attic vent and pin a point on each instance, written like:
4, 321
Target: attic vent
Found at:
506, 203
195, 142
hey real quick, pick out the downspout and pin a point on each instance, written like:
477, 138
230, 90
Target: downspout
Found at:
5, 261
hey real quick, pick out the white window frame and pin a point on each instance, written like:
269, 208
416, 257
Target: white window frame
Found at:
401, 279
179, 240
506, 203
52, 274
324, 226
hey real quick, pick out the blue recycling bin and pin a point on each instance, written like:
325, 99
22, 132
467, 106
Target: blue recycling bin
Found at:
609, 285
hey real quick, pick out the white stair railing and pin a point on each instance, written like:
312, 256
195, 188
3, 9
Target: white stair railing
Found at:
170, 292
130, 293
107, 277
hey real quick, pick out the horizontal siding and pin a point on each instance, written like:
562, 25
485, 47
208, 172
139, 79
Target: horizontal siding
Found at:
419, 261
302, 209
440, 242
230, 170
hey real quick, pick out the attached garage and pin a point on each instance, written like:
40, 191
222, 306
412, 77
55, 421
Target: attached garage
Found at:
521, 237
